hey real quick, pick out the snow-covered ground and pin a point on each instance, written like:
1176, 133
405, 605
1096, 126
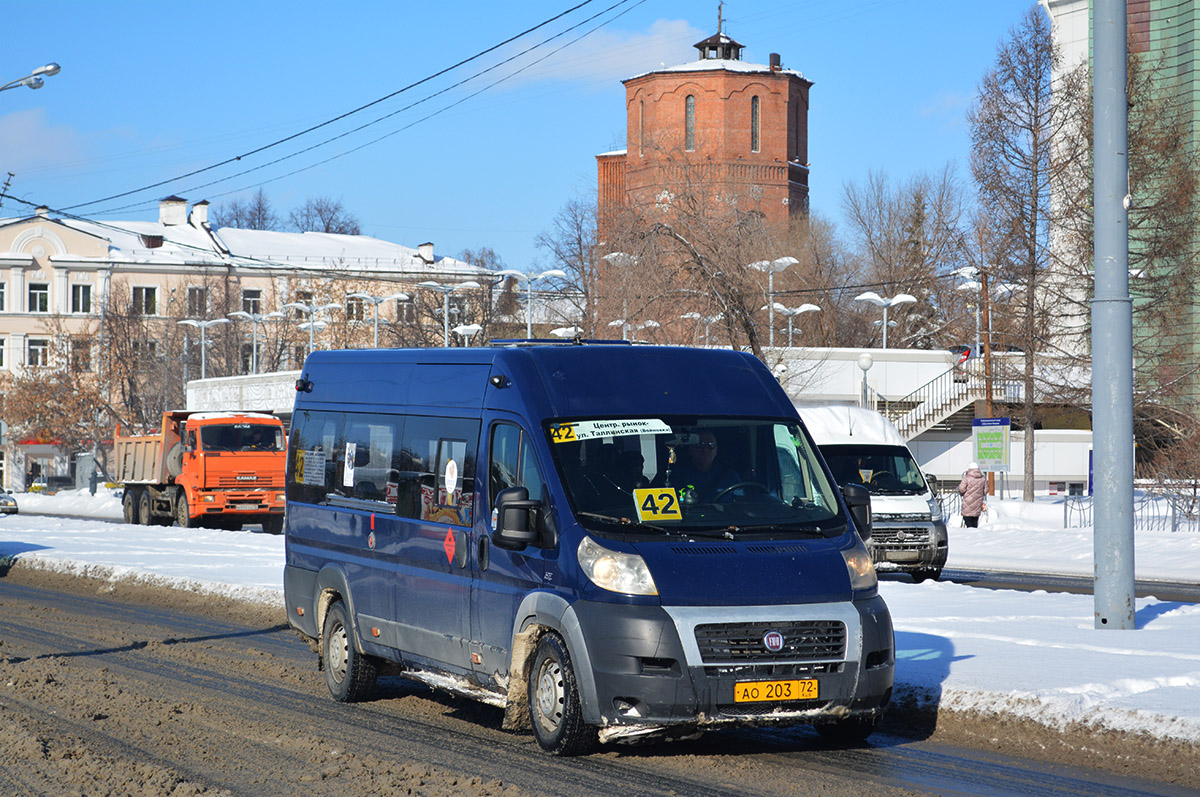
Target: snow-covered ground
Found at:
1036, 655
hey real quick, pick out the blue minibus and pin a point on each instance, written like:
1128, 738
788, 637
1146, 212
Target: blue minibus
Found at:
609, 542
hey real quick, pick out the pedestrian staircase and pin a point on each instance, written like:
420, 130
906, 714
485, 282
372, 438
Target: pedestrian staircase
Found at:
936, 400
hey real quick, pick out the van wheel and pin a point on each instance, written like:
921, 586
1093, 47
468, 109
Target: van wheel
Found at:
273, 524
554, 709
129, 506
933, 574
848, 732
349, 674
144, 509
182, 513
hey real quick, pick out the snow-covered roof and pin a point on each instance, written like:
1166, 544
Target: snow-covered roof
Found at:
847, 425
716, 64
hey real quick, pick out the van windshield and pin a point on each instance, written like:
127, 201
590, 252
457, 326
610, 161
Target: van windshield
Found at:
884, 470
241, 437
720, 474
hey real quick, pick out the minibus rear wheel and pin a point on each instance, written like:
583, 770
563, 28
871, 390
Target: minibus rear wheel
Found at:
554, 709
349, 674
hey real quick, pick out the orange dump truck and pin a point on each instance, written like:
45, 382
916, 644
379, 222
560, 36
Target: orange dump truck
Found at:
214, 469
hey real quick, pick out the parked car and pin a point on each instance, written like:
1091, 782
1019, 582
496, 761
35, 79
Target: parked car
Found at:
8, 504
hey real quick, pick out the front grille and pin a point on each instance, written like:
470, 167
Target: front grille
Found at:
902, 517
803, 640
759, 672
251, 481
914, 536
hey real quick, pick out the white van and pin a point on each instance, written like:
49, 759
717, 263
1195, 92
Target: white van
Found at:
908, 527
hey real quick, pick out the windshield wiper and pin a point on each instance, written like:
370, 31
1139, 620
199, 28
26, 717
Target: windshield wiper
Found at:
790, 528
624, 521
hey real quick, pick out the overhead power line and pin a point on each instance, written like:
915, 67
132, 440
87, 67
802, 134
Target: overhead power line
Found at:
337, 118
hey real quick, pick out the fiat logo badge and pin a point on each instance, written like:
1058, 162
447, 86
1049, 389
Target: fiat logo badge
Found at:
773, 641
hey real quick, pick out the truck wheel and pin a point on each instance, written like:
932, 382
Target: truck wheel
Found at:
554, 709
182, 513
848, 732
144, 509
349, 674
273, 524
129, 506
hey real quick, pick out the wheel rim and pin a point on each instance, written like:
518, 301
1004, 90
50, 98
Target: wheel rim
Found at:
550, 695
338, 652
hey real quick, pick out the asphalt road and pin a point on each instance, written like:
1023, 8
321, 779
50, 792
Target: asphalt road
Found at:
157, 691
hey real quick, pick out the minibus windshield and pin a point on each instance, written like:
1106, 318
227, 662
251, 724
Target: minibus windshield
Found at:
884, 470
694, 474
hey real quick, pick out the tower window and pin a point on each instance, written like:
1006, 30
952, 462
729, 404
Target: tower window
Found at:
641, 126
754, 124
690, 124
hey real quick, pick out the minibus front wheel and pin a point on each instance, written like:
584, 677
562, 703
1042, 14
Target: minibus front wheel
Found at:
554, 709
349, 674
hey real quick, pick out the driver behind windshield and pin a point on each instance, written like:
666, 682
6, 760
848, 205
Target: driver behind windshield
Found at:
699, 475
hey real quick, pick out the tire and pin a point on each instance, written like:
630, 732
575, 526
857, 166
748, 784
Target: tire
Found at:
129, 507
144, 509
349, 674
554, 709
850, 732
182, 515
273, 524
933, 574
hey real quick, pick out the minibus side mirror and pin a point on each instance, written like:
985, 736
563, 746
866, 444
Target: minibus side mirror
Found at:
858, 500
934, 485
516, 524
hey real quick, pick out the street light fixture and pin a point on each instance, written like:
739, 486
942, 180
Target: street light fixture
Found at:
650, 324
445, 291
377, 300
865, 361
567, 332
312, 310
877, 300
620, 322
792, 311
34, 79
467, 331
771, 267
256, 318
529, 279
203, 326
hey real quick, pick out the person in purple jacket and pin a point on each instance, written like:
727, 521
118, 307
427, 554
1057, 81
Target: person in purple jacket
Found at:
972, 488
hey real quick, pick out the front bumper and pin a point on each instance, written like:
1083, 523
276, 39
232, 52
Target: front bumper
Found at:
909, 545
655, 668
247, 502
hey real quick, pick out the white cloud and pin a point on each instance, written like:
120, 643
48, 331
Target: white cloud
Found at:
947, 104
30, 144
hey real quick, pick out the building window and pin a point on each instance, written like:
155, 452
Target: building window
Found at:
754, 124
3, 296
355, 309
81, 355
458, 309
3, 472
38, 353
689, 142
247, 356
145, 301
303, 297
406, 311
641, 126
252, 301
81, 298
299, 352
39, 297
144, 351
3, 352
197, 302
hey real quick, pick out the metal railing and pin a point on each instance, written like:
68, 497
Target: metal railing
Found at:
936, 400
1156, 507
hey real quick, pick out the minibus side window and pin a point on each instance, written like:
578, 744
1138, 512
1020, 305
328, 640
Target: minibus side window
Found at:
437, 479
369, 475
312, 460
513, 463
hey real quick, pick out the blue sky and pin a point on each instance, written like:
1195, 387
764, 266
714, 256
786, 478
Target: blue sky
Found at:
149, 91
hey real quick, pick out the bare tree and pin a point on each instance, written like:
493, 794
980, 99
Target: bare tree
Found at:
323, 214
253, 214
1013, 122
571, 245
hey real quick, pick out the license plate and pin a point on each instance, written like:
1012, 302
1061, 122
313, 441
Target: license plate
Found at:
774, 691
247, 507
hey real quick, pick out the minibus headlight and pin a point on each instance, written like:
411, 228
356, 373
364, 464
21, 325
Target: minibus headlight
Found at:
614, 571
935, 509
858, 564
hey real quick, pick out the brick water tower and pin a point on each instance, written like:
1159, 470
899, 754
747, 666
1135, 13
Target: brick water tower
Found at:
718, 127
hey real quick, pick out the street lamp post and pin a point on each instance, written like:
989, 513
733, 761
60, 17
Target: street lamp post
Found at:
650, 324
256, 319
34, 79
467, 331
529, 279
312, 310
865, 361
203, 326
445, 291
772, 266
377, 300
792, 311
877, 300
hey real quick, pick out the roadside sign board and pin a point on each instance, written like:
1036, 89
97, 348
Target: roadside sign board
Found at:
990, 442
